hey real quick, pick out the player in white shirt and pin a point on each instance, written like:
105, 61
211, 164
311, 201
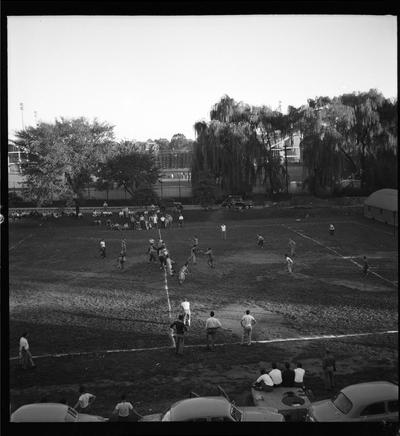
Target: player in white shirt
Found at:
212, 325
85, 400
247, 323
289, 263
223, 231
103, 248
180, 220
275, 374
185, 306
25, 356
331, 229
299, 375
264, 382
183, 273
123, 410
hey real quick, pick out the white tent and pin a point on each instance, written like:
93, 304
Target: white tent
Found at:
382, 206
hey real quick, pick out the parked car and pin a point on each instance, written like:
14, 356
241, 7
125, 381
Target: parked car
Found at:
52, 412
237, 202
365, 402
214, 409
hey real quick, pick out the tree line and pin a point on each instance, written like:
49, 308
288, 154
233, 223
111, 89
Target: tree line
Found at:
67, 156
352, 135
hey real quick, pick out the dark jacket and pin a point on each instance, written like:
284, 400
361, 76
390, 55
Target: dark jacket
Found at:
288, 378
179, 326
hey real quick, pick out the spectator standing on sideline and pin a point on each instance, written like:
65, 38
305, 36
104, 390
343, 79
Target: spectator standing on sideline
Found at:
123, 410
85, 400
292, 248
365, 266
180, 330
329, 368
212, 325
247, 323
288, 376
185, 306
105, 206
152, 251
276, 375
264, 382
331, 229
180, 220
25, 356
103, 248
260, 241
162, 220
223, 231
299, 375
289, 263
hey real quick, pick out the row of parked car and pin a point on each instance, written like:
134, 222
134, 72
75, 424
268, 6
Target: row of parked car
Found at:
366, 402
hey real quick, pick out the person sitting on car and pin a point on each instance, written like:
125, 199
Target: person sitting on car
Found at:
276, 375
85, 400
288, 376
123, 411
264, 382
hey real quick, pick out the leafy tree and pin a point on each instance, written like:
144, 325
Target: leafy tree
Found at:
179, 142
204, 191
135, 171
62, 156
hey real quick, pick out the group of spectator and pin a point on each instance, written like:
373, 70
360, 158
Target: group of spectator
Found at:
276, 377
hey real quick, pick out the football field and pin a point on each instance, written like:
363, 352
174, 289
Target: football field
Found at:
83, 308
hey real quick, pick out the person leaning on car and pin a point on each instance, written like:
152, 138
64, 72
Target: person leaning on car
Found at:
123, 411
85, 400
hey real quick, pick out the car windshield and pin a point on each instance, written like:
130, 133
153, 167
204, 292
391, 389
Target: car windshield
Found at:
236, 413
342, 403
166, 416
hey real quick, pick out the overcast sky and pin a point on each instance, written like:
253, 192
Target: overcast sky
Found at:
152, 77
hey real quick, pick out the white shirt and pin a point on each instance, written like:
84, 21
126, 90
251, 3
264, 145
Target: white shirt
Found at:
102, 244
84, 400
162, 218
223, 227
266, 378
185, 306
276, 376
299, 375
289, 260
331, 227
123, 408
180, 218
212, 323
248, 321
23, 344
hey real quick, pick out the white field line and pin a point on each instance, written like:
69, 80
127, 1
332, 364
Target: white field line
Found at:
166, 291
267, 341
338, 254
23, 240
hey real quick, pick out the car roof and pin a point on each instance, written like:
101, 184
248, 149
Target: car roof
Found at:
41, 412
200, 407
376, 391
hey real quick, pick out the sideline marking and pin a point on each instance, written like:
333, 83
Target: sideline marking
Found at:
22, 240
338, 254
268, 341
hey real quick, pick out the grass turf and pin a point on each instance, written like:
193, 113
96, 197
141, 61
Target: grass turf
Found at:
71, 300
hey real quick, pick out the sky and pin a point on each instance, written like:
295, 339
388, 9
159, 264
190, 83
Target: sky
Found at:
154, 76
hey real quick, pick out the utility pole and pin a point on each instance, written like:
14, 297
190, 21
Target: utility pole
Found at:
21, 106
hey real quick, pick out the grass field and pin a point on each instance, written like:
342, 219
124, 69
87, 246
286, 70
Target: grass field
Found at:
70, 300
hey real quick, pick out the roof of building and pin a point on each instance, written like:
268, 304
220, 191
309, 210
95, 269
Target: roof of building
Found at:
383, 199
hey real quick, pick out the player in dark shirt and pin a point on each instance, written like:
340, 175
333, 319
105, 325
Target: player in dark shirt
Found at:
180, 330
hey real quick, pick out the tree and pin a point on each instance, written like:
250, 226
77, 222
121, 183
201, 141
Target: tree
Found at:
135, 171
179, 142
62, 156
204, 191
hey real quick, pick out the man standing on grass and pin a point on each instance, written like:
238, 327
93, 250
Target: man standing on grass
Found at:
212, 325
180, 220
289, 263
223, 231
247, 323
185, 306
183, 273
292, 247
331, 229
180, 330
103, 248
210, 260
260, 241
365, 266
25, 356
193, 250
329, 368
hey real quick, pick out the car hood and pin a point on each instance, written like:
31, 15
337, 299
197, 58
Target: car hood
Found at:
261, 414
152, 418
83, 417
325, 411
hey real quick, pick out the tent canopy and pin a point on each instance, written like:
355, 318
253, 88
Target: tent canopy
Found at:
385, 199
